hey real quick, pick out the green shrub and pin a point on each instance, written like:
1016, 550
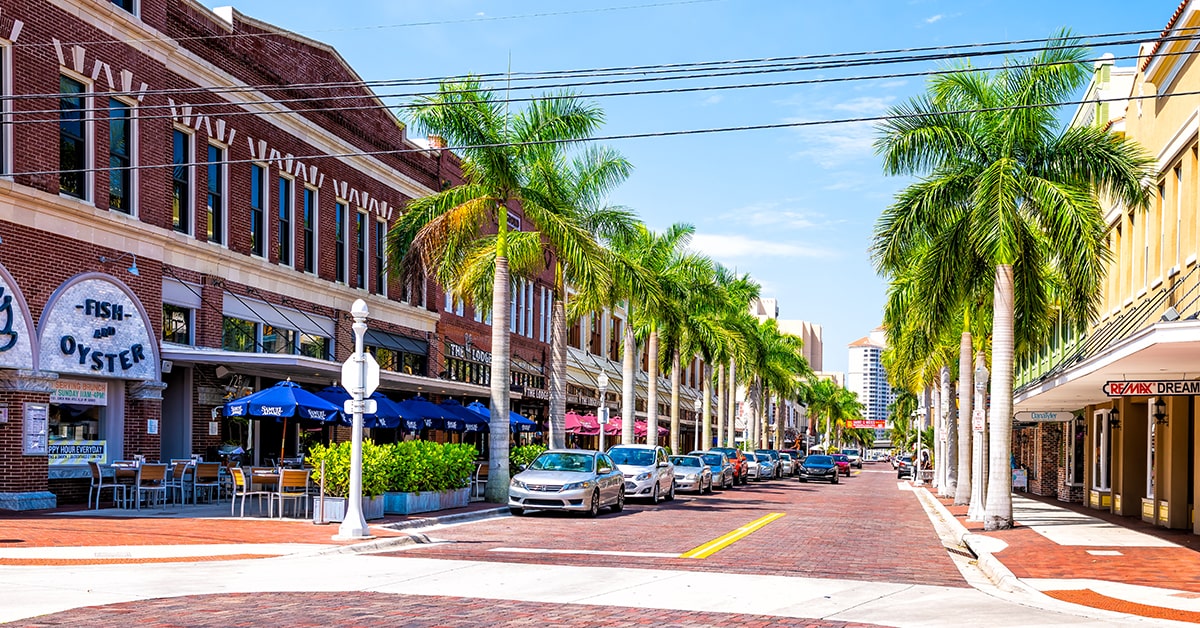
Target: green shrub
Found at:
522, 456
337, 468
408, 467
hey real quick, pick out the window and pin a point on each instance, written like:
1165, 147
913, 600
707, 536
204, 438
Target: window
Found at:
181, 182
5, 109
339, 236
380, 249
257, 203
360, 250
278, 340
75, 422
314, 346
72, 139
120, 156
1179, 192
177, 324
1151, 430
1100, 435
239, 335
310, 234
216, 194
285, 221
128, 5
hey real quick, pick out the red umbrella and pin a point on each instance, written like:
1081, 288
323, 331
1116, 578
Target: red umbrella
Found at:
639, 429
581, 425
614, 426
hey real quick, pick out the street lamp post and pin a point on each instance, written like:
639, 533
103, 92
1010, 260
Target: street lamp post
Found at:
979, 444
602, 411
354, 525
698, 405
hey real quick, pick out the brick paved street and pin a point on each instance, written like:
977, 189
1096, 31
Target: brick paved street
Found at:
364, 609
862, 529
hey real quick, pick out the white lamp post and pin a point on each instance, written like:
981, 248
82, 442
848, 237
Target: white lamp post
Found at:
602, 411
354, 525
698, 405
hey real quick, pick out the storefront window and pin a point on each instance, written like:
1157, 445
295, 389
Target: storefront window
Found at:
1077, 445
239, 335
398, 361
277, 340
177, 324
314, 346
1100, 435
75, 422
1151, 426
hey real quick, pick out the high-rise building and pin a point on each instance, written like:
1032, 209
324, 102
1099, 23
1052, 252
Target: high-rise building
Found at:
865, 375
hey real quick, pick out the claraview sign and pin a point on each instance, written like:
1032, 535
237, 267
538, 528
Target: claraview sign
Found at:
1152, 388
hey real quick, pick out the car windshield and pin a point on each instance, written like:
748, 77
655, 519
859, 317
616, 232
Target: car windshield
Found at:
563, 462
841, 457
817, 461
751, 457
686, 461
713, 459
632, 457
850, 452
786, 456
765, 452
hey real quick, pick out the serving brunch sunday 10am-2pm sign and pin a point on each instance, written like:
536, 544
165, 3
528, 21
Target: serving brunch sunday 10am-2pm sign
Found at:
1152, 388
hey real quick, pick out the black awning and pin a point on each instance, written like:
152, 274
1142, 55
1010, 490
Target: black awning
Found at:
395, 342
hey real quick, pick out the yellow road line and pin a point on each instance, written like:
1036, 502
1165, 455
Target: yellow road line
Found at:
720, 543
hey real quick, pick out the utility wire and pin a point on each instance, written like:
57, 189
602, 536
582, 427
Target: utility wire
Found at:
628, 136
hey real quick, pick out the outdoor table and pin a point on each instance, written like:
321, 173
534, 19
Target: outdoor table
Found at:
125, 470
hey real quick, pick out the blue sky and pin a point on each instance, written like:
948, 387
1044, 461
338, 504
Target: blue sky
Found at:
793, 207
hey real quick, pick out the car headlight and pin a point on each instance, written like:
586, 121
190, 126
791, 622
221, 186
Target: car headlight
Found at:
691, 476
643, 476
577, 485
517, 483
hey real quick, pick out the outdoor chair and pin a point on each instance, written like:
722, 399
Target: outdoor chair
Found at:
293, 485
181, 472
243, 489
478, 480
98, 485
151, 480
207, 477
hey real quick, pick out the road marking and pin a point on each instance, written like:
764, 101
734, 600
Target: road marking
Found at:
720, 543
531, 550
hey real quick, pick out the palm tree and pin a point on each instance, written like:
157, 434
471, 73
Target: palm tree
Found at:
444, 231
686, 320
999, 178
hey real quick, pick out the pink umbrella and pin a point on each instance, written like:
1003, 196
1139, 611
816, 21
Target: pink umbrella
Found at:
639, 429
614, 426
581, 425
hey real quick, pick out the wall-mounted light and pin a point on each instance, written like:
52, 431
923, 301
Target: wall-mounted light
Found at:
1170, 315
133, 269
1160, 412
1114, 419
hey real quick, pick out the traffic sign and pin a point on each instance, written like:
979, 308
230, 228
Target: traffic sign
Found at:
602, 416
366, 406
978, 419
352, 374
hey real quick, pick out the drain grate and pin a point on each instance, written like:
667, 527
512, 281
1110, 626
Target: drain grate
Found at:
12, 540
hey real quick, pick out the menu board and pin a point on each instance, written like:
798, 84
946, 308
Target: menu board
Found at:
37, 419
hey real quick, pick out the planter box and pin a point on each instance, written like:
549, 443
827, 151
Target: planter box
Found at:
335, 508
412, 503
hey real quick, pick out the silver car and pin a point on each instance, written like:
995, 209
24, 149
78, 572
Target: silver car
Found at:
787, 465
692, 474
568, 479
752, 466
648, 471
723, 472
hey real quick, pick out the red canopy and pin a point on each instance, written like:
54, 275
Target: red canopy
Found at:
614, 426
581, 424
639, 429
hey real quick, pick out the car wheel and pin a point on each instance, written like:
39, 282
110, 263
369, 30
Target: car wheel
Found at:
654, 494
804, 480
710, 488
834, 480
620, 505
594, 509
516, 512
671, 493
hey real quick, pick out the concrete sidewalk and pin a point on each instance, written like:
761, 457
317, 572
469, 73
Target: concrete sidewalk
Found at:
1078, 558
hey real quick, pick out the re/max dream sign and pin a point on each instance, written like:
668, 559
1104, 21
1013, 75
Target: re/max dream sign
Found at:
1151, 388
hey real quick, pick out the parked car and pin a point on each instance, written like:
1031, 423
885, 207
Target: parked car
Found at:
692, 474
773, 455
752, 465
904, 466
741, 471
843, 463
647, 469
568, 479
855, 457
723, 473
787, 464
819, 467
797, 455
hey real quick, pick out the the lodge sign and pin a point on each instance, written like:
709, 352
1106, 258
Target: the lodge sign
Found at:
1152, 388
93, 326
469, 353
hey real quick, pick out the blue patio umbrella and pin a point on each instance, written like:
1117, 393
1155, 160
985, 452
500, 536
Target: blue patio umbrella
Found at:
387, 414
420, 413
283, 401
516, 422
472, 422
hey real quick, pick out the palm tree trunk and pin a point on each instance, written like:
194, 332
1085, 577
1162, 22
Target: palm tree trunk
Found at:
950, 436
706, 386
979, 446
779, 421
966, 392
558, 361
498, 428
721, 406
652, 387
732, 403
764, 426
998, 509
675, 401
628, 375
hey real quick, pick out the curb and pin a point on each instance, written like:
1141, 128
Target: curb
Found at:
375, 545
462, 517
977, 544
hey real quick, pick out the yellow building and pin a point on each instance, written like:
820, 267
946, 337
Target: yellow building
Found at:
1132, 379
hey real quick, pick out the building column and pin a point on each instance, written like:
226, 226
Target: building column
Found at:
1172, 490
1129, 459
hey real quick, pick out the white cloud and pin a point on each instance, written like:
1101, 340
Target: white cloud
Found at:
933, 18
833, 145
724, 247
776, 215
712, 100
